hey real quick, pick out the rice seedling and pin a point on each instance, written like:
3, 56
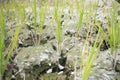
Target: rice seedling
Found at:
113, 29
88, 58
38, 26
114, 32
20, 22
34, 35
57, 16
4, 58
91, 57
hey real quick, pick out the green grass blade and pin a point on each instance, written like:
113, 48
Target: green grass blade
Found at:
2, 37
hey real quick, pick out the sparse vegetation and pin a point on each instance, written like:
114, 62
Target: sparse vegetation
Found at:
13, 19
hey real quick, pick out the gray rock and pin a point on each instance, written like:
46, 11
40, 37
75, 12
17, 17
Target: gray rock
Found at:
117, 67
25, 38
103, 67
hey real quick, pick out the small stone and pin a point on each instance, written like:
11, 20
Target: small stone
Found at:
49, 71
13, 77
61, 67
61, 72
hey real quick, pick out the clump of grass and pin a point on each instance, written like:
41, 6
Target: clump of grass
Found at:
113, 29
114, 32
